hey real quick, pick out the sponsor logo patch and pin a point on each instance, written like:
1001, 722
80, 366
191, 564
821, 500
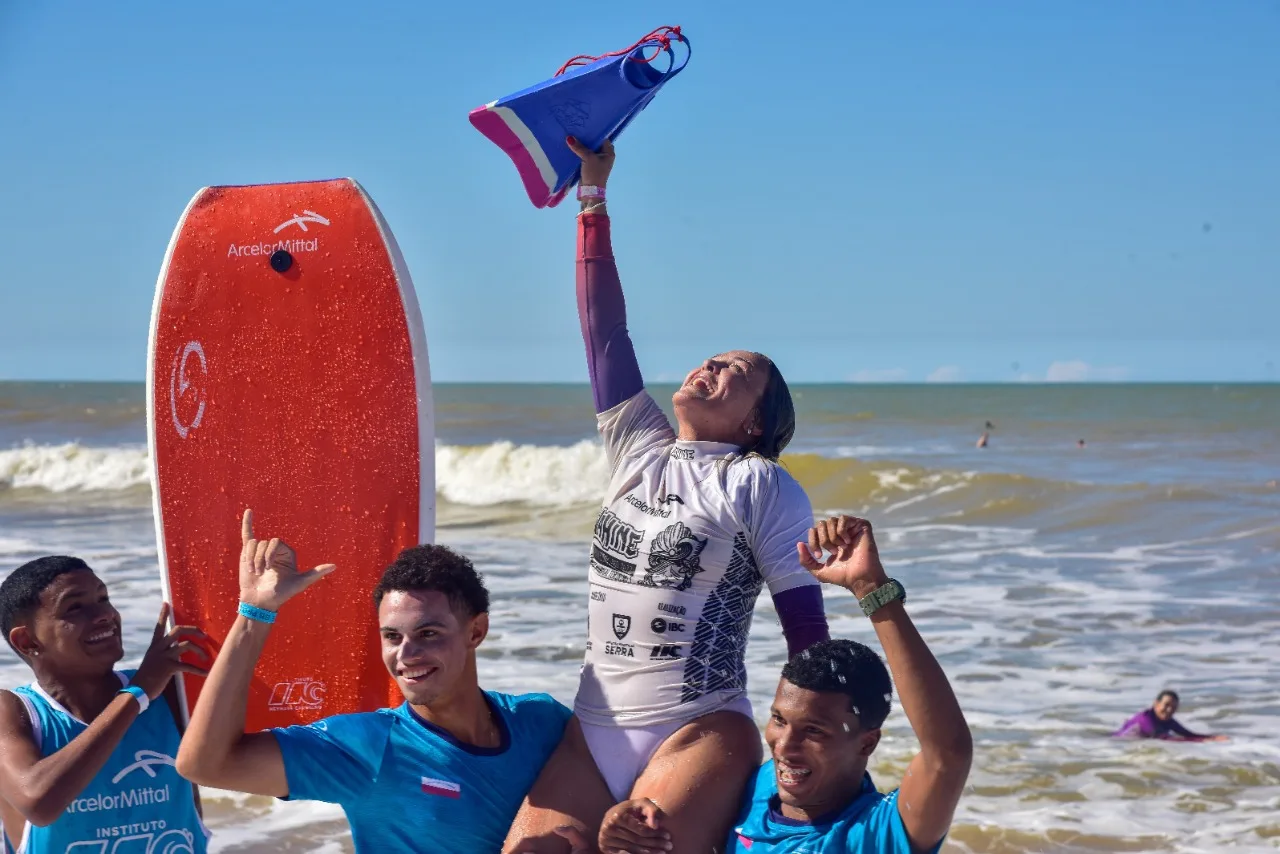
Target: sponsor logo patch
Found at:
295, 694
624, 649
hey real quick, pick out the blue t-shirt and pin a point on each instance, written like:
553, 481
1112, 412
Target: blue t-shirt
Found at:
407, 785
870, 824
136, 803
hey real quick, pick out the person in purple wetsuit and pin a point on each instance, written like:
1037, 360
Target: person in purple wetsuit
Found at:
1158, 722
698, 518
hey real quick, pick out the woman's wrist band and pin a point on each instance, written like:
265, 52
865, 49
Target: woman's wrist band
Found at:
258, 615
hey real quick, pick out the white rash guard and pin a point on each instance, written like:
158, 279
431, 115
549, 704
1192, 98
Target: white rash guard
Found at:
689, 534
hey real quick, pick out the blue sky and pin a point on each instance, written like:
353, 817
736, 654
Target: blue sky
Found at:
1080, 190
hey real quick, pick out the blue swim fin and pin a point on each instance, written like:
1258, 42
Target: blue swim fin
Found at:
591, 98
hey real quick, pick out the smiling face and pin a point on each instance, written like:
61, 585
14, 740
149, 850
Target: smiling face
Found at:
718, 400
819, 750
428, 646
75, 630
1165, 707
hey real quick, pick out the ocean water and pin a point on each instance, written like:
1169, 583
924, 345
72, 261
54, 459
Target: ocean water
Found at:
1061, 587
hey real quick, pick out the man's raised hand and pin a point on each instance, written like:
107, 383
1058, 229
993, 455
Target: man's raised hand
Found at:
269, 574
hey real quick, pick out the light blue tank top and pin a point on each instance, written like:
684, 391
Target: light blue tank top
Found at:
137, 804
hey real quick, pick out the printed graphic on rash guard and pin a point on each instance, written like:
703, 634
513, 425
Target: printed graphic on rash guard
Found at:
673, 558
715, 658
613, 540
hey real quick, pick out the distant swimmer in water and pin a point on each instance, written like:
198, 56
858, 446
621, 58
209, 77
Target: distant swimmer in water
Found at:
1158, 722
1079, 443
983, 439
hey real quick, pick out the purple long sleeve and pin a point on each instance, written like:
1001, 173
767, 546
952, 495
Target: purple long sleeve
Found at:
1141, 725
1182, 732
1145, 724
602, 311
804, 621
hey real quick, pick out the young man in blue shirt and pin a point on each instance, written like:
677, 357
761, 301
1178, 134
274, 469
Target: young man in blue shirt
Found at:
814, 795
86, 750
444, 772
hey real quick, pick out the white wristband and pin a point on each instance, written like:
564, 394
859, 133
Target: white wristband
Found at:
138, 694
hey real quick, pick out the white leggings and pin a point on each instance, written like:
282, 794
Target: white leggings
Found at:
622, 752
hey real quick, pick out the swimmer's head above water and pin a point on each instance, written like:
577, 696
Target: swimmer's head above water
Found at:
433, 612
1166, 705
738, 397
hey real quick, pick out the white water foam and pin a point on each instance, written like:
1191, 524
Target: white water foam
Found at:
479, 475
73, 467
504, 472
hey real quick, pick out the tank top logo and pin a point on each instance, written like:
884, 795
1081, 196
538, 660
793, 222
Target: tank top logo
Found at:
146, 761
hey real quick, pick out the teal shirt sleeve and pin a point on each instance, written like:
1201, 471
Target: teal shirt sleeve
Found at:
885, 831
549, 723
336, 759
537, 725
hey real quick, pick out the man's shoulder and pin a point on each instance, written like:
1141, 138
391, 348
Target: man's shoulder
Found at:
872, 820
764, 785
354, 725
534, 707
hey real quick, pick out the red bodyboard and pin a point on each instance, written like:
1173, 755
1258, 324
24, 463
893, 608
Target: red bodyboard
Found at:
288, 373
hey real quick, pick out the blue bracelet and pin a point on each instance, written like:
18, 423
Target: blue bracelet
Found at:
260, 615
138, 694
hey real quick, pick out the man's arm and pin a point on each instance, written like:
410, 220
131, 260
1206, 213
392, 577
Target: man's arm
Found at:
215, 750
41, 788
936, 776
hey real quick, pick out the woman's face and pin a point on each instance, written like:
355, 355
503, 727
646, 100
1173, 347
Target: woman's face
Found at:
719, 397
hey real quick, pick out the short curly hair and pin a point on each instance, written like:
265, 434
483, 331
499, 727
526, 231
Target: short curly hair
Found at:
438, 568
20, 592
845, 667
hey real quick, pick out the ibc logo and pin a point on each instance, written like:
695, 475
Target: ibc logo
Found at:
293, 695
